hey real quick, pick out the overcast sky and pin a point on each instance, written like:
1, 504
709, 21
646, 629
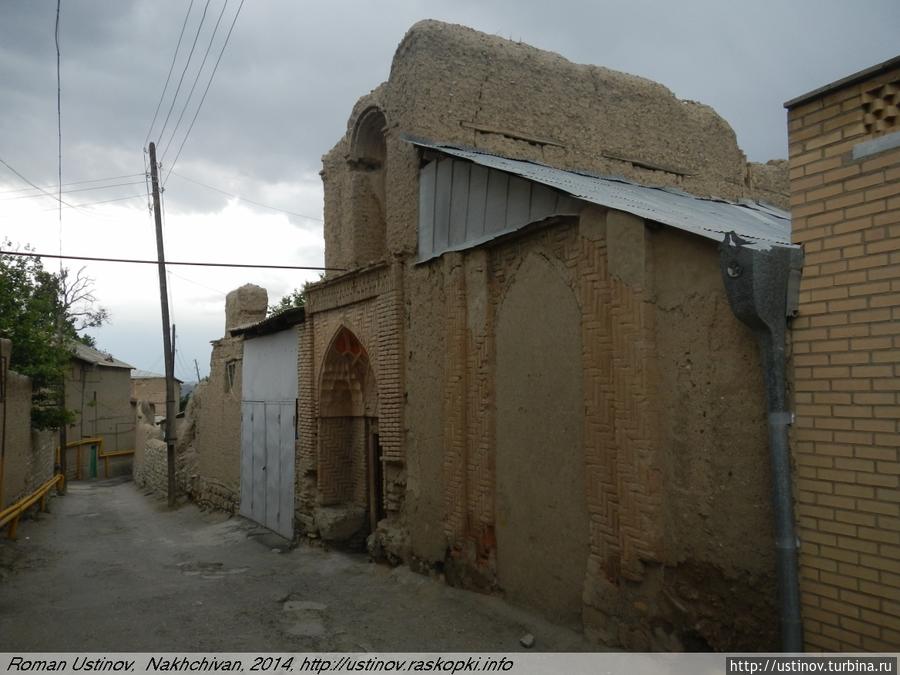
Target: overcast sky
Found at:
286, 83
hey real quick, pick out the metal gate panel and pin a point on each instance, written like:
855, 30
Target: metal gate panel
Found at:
273, 464
258, 444
287, 450
247, 459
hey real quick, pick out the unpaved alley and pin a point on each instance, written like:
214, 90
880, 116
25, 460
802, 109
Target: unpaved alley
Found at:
111, 569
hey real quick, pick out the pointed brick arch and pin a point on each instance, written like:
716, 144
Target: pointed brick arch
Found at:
349, 457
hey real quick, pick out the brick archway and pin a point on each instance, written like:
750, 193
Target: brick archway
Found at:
349, 471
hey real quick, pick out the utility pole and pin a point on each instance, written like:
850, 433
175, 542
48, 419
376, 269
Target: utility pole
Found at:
197, 370
168, 352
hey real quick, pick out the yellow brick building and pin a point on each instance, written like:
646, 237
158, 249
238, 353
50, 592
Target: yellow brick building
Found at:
845, 202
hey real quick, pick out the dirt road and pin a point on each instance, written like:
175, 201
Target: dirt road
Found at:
112, 569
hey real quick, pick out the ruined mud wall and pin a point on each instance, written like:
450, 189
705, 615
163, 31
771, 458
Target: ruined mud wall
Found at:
453, 84
218, 442
153, 390
213, 444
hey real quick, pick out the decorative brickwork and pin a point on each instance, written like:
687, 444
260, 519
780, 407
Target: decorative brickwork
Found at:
366, 304
846, 358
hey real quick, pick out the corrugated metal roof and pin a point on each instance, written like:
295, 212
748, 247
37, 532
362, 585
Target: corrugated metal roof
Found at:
84, 353
760, 223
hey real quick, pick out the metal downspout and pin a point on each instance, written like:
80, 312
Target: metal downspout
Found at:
762, 284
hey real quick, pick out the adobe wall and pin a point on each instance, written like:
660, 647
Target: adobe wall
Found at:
29, 456
453, 84
673, 453
664, 563
153, 390
212, 446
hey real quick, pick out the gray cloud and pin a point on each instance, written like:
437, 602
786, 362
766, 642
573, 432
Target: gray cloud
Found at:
293, 71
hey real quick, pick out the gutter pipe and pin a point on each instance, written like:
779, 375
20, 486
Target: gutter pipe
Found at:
762, 283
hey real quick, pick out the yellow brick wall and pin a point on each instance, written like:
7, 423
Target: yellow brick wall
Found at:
846, 357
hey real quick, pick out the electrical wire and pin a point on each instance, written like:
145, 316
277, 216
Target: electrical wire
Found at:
52, 196
187, 63
86, 189
77, 182
59, 130
205, 91
244, 199
171, 262
196, 80
169, 76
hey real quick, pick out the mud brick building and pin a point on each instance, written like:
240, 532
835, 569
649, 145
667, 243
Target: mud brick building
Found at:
528, 378
845, 201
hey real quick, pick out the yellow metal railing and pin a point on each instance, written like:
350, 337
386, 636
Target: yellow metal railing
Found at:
11, 514
105, 456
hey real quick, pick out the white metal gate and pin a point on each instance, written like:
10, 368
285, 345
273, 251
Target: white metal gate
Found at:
268, 430
267, 464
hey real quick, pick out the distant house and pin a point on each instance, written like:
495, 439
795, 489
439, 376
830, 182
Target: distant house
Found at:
151, 387
98, 390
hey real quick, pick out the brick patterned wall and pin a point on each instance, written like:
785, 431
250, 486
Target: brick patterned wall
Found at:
455, 437
337, 450
846, 345
623, 478
369, 303
307, 429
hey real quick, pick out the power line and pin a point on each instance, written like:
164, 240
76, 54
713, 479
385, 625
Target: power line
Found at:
197, 283
52, 196
186, 64
59, 126
103, 201
86, 189
169, 262
196, 80
205, 91
169, 76
77, 182
244, 199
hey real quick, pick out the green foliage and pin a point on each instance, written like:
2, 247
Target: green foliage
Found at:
296, 298
41, 313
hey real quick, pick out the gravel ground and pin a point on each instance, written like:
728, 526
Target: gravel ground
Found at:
113, 569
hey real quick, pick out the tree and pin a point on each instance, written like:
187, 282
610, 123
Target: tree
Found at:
296, 298
42, 313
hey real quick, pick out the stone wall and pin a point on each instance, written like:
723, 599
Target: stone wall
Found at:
845, 197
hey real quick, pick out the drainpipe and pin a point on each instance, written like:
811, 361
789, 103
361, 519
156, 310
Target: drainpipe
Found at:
762, 284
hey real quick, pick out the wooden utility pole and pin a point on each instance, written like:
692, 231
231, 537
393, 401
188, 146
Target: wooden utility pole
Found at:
197, 370
167, 337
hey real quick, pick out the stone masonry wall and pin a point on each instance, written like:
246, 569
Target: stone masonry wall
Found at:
846, 343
